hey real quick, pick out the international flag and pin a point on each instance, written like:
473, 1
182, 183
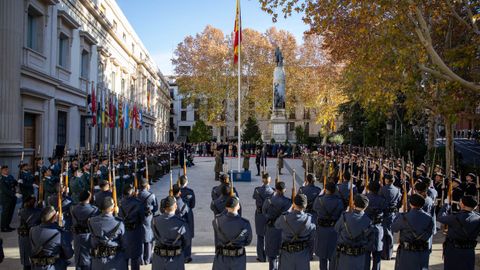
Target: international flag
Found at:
237, 32
126, 116
103, 109
120, 113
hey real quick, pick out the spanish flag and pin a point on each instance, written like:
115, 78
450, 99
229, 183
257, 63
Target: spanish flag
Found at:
237, 32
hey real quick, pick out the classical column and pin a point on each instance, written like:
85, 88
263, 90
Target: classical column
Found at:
11, 38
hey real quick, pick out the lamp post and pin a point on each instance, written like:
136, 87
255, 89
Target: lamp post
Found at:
350, 130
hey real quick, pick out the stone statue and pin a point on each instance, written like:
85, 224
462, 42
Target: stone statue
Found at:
278, 57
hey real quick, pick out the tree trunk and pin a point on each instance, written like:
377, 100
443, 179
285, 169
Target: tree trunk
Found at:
449, 146
431, 132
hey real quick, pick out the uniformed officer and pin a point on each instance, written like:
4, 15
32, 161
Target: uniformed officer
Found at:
375, 210
132, 213
393, 197
218, 205
260, 195
272, 208
355, 235
78, 184
171, 237
218, 165
416, 230
470, 187
280, 157
258, 157
328, 208
457, 194
298, 232
66, 206
49, 183
104, 192
50, 249
150, 206
344, 189
217, 190
29, 216
232, 234
188, 196
463, 229
102, 172
312, 192
8, 198
26, 181
81, 213
246, 161
107, 242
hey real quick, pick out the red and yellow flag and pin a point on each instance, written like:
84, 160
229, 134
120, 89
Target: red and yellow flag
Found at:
237, 32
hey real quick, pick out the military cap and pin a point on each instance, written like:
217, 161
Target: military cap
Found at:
170, 201
47, 214
182, 180
420, 169
104, 183
231, 202
455, 179
4, 167
300, 200
280, 185
439, 174
361, 201
84, 195
144, 182
107, 203
417, 200
472, 175
469, 201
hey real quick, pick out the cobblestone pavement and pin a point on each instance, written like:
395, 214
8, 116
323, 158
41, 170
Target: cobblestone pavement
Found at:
201, 179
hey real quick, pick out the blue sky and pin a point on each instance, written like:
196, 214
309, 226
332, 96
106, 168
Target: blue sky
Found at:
162, 24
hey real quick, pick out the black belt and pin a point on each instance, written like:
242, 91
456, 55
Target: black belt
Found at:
462, 244
104, 251
23, 231
324, 222
415, 246
167, 251
80, 229
350, 250
230, 251
293, 247
43, 261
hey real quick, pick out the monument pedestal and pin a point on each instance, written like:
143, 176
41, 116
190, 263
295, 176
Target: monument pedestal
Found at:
278, 126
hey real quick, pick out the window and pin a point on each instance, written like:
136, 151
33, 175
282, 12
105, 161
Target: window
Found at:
114, 26
112, 80
184, 103
124, 37
292, 126
85, 64
61, 128
29, 130
133, 48
83, 127
183, 116
63, 50
34, 29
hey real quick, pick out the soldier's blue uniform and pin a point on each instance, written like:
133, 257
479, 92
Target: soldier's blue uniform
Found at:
393, 198
355, 235
297, 229
150, 205
8, 199
78, 184
260, 195
100, 196
50, 249
217, 192
171, 236
344, 192
416, 229
67, 217
375, 210
312, 192
107, 243
459, 246
56, 169
232, 234
188, 196
328, 207
132, 212
29, 218
103, 172
218, 205
26, 183
49, 184
81, 213
272, 209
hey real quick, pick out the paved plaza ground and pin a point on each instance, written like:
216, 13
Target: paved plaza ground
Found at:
201, 180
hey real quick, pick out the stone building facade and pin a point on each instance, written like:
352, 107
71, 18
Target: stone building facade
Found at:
52, 53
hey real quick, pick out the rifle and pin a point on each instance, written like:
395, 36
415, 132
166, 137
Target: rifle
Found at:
185, 162
294, 189
66, 173
340, 172
450, 187
135, 179
477, 187
404, 187
170, 192
114, 186
325, 171
367, 167
40, 180
350, 197
146, 168
60, 197
277, 176
91, 173
381, 173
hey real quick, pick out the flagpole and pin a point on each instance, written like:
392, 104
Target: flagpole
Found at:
239, 83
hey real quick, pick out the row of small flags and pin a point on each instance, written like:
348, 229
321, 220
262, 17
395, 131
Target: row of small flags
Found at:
108, 110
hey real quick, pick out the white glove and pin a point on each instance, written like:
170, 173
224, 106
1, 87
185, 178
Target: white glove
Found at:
35, 186
99, 172
117, 177
36, 174
446, 201
18, 195
126, 176
20, 181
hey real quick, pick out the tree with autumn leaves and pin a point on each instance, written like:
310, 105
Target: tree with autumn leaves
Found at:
205, 70
421, 55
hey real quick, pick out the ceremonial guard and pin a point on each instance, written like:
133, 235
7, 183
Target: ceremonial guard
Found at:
107, 243
26, 181
188, 196
78, 184
393, 197
246, 161
463, 230
328, 208
272, 209
8, 198
218, 165
104, 192
470, 187
55, 167
51, 250
66, 206
280, 157
132, 213
81, 213
355, 236
171, 237
218, 205
232, 234
260, 195
258, 157
311, 192
29, 216
102, 172
457, 194
375, 210
49, 183
298, 232
217, 190
150, 206
344, 188
416, 229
